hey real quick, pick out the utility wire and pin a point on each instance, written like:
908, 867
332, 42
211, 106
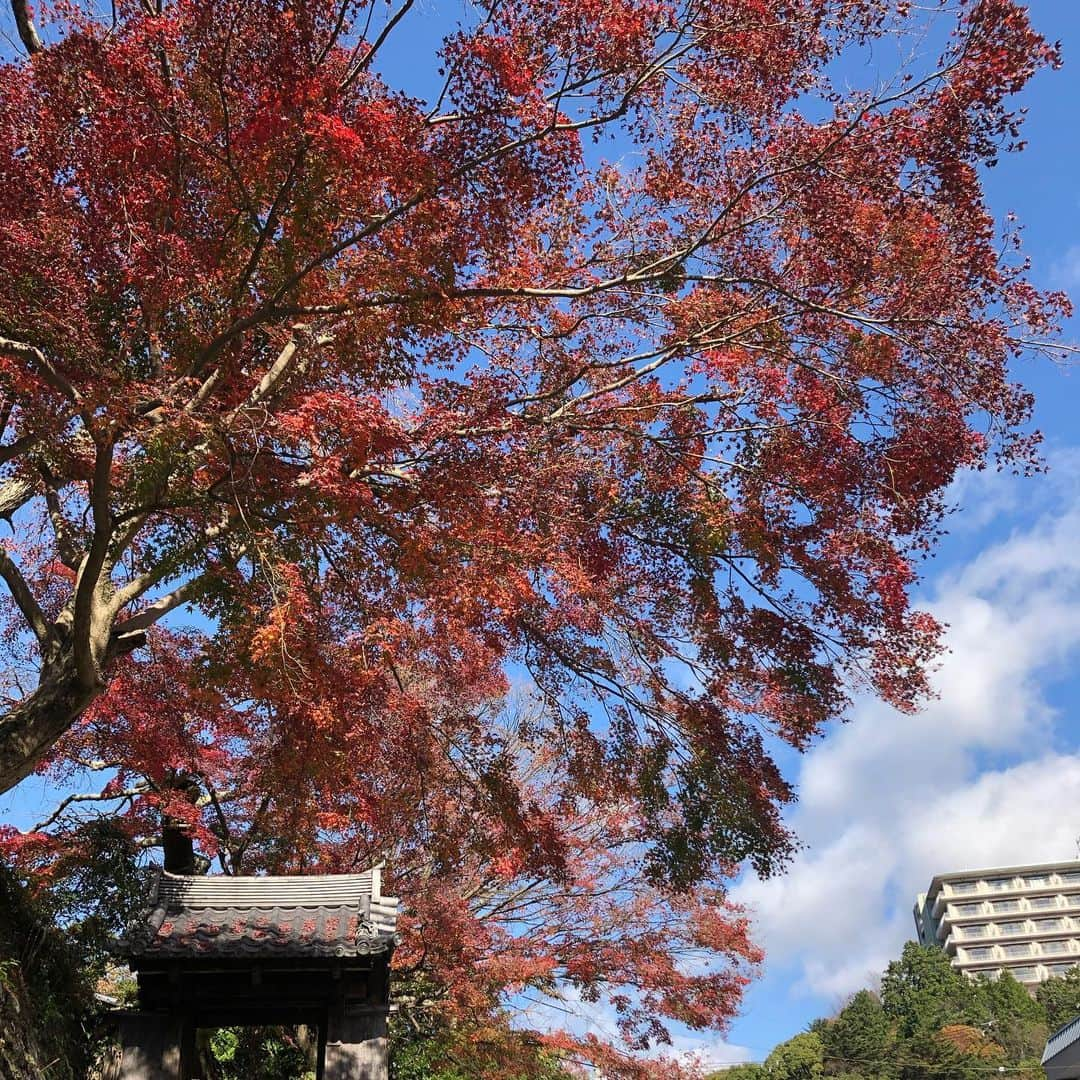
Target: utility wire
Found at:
996, 1070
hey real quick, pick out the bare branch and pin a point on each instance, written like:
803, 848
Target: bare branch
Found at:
19, 446
27, 31
105, 795
144, 619
288, 360
66, 547
377, 44
55, 378
23, 596
150, 614
144, 582
14, 494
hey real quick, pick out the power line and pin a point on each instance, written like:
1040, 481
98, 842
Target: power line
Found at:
996, 1070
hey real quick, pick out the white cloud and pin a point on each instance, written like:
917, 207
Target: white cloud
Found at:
1031, 809
1065, 270
706, 1053
573, 1014
975, 779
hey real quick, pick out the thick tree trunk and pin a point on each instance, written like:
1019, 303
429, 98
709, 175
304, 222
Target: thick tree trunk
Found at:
176, 838
32, 726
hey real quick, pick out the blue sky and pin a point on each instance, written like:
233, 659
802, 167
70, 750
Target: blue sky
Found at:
988, 773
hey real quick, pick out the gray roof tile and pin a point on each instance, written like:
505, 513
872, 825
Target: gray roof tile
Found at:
330, 915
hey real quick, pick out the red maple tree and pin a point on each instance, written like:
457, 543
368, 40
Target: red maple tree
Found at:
525, 895
632, 363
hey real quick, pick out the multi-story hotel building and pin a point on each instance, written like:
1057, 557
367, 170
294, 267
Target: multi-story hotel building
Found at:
1020, 919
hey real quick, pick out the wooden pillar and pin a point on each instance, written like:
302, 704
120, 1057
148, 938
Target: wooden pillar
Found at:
151, 1046
356, 1043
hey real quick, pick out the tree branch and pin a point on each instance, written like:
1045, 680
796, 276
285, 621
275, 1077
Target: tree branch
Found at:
137, 586
51, 374
66, 547
24, 598
93, 796
89, 642
14, 495
27, 31
280, 370
144, 619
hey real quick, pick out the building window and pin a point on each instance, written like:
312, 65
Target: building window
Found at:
1000, 884
1046, 925
1025, 974
1012, 927
1036, 882
1019, 949
1070, 876
1006, 906
979, 954
1042, 903
975, 930
967, 909
1052, 947
963, 888
1058, 970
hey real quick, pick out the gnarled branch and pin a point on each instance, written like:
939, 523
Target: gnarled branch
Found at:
24, 597
49, 371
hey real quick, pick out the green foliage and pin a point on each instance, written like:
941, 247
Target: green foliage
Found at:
259, 1053
46, 997
422, 1059
1015, 1020
800, 1058
929, 1023
957, 1053
922, 992
55, 949
96, 889
423, 1046
861, 1036
421, 1043
1060, 998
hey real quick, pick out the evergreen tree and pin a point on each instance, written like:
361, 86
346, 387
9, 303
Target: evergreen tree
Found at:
861, 1039
1060, 997
1015, 1020
800, 1058
954, 1052
923, 993
929, 1023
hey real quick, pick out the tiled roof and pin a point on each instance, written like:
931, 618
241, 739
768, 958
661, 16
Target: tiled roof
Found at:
1061, 1039
330, 915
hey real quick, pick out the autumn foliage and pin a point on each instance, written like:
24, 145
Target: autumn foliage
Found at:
513, 453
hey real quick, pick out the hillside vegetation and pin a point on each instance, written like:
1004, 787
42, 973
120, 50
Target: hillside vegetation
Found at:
928, 1022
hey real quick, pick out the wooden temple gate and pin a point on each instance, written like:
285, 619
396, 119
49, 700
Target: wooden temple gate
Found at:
220, 951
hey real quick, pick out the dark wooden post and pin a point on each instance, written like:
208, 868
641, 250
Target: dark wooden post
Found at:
176, 838
151, 1046
356, 1043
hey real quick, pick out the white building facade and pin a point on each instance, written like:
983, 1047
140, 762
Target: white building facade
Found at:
1020, 919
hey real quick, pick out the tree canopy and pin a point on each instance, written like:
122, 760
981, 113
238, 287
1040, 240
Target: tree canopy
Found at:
928, 1021
510, 455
